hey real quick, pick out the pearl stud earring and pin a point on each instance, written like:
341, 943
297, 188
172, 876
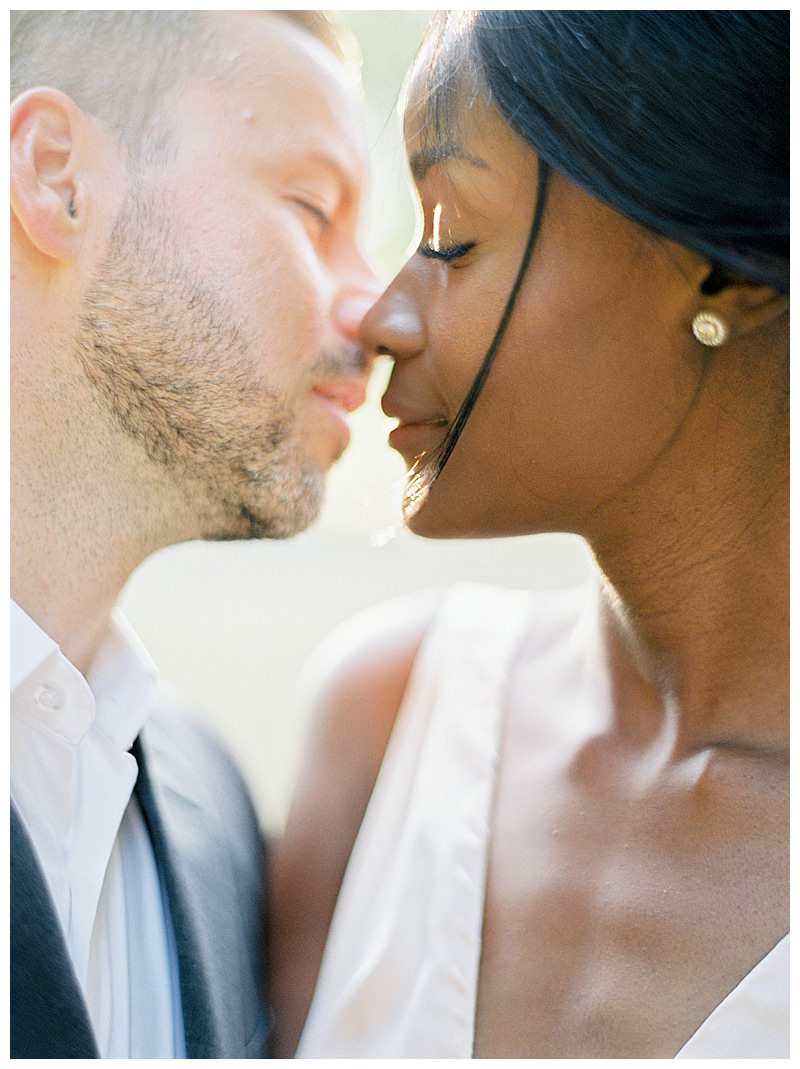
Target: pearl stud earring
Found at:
710, 329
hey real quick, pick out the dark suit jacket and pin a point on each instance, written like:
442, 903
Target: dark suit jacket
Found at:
210, 853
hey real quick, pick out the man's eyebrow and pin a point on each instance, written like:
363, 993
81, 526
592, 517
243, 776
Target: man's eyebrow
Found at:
422, 161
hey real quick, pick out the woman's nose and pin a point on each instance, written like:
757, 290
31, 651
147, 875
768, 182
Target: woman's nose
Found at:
393, 327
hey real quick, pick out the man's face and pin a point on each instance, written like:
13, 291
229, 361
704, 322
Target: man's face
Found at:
221, 327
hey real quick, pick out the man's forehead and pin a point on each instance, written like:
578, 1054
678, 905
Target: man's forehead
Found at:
265, 43
279, 91
293, 76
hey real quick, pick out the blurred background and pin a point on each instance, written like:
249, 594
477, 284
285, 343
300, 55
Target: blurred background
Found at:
233, 624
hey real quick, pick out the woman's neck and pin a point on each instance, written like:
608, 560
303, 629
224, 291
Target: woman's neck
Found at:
696, 599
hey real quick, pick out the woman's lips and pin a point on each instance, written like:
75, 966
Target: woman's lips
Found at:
412, 437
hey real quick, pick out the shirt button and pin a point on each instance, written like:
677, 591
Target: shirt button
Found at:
49, 697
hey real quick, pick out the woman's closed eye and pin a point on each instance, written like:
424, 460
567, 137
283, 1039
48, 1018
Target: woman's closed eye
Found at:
435, 249
445, 252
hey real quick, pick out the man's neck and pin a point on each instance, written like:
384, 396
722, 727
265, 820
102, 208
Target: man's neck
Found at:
74, 544
87, 507
68, 590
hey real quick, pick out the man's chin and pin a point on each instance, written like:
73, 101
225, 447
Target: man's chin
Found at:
276, 527
286, 514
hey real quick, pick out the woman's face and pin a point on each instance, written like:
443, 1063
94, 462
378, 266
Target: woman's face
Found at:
595, 374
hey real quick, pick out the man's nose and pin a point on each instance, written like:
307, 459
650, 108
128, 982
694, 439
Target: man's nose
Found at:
355, 299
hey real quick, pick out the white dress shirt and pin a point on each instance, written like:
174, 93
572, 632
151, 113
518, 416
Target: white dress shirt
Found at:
72, 779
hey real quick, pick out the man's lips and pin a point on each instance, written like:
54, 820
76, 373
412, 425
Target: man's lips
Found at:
348, 394
338, 398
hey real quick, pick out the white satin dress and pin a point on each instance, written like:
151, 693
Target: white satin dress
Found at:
399, 975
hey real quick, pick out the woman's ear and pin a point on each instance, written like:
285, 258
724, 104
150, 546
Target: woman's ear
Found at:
745, 306
46, 189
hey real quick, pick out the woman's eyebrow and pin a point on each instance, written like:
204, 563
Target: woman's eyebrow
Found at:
422, 161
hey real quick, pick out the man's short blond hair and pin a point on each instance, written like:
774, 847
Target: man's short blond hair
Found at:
120, 65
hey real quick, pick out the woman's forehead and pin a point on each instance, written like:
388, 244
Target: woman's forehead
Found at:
442, 88
474, 134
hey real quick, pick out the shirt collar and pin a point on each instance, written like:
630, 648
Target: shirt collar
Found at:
47, 690
121, 678
30, 646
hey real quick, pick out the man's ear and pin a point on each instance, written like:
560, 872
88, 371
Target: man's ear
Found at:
47, 130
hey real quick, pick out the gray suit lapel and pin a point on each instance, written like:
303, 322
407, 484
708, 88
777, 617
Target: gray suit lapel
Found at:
191, 843
166, 816
48, 1014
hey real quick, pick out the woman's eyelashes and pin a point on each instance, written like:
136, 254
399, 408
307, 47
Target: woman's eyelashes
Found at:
437, 247
445, 252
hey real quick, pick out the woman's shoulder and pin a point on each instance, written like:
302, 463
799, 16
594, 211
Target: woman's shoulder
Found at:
357, 679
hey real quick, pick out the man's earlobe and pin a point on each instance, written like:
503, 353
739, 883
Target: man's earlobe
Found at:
45, 171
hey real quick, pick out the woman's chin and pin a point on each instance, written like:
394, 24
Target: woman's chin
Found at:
431, 519
425, 524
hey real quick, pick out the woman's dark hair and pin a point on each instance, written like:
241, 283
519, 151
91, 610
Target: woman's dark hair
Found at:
678, 120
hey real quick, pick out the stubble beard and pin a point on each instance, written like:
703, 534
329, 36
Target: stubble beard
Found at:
168, 359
